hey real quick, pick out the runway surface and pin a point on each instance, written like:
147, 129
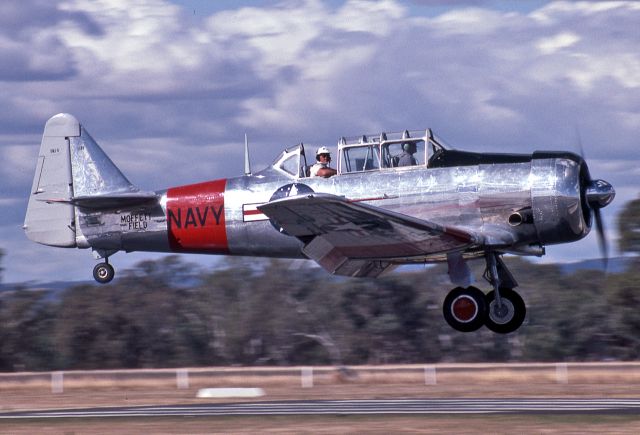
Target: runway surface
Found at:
353, 407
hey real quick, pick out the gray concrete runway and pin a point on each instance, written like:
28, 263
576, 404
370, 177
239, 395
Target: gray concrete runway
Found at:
354, 407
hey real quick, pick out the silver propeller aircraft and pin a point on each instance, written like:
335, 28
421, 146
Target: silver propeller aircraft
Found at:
364, 219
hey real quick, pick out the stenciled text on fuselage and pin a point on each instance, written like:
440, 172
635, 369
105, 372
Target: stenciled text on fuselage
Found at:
195, 217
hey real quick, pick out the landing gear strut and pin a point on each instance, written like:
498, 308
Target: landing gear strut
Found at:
103, 272
505, 308
502, 310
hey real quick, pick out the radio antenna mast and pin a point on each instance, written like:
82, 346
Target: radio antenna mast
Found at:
247, 165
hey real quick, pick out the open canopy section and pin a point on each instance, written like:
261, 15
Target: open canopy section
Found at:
292, 162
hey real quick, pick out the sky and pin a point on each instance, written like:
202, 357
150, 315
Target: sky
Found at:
169, 88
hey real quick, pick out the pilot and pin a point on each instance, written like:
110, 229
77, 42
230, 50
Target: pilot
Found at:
406, 158
321, 168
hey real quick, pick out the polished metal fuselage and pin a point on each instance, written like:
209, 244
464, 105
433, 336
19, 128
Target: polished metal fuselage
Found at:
514, 207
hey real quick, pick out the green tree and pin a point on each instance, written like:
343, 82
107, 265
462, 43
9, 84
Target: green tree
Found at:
629, 227
148, 318
26, 319
623, 299
389, 320
167, 313
1, 268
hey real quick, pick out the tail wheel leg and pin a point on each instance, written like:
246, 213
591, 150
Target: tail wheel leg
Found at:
465, 309
103, 272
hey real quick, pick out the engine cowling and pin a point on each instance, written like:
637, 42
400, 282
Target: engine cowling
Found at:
564, 197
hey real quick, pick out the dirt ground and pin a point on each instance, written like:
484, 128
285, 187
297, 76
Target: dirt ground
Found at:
18, 400
501, 424
84, 390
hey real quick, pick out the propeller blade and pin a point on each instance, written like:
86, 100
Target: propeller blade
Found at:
597, 194
579, 143
602, 238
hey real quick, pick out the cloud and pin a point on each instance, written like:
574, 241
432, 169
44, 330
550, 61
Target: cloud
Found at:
169, 96
18, 163
29, 45
557, 42
304, 67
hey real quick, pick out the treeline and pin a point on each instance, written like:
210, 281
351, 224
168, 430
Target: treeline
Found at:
170, 313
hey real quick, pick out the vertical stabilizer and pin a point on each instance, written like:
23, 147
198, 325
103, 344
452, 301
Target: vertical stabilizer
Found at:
50, 218
93, 172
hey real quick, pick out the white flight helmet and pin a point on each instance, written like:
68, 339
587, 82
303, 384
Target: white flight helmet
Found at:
323, 150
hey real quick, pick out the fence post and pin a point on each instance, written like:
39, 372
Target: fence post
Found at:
430, 375
306, 377
562, 373
182, 379
57, 382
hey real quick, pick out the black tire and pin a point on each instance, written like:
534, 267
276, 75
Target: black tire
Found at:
516, 311
465, 310
103, 273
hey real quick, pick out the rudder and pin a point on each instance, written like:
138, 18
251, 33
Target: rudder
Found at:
50, 217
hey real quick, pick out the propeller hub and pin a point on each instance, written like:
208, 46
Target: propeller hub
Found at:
600, 193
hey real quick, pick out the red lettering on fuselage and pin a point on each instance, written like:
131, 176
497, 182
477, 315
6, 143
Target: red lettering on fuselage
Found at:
195, 218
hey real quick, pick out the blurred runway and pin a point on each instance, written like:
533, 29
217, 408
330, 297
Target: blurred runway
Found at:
353, 407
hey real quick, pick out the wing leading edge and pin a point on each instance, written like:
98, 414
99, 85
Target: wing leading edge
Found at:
356, 239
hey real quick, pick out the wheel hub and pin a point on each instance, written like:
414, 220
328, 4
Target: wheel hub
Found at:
464, 309
501, 310
502, 313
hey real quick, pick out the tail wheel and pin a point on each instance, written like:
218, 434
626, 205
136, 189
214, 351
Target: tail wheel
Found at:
465, 309
510, 316
103, 273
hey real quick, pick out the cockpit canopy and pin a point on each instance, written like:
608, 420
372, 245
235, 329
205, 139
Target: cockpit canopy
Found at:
367, 153
383, 151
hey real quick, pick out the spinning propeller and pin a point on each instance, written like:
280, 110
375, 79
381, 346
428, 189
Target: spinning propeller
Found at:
596, 194
599, 193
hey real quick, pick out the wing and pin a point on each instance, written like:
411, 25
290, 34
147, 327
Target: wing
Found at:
356, 239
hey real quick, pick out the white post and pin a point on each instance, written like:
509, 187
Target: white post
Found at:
562, 373
430, 375
182, 379
306, 377
57, 382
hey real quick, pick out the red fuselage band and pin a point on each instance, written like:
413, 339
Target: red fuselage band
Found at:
195, 218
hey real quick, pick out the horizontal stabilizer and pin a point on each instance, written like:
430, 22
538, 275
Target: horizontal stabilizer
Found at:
109, 201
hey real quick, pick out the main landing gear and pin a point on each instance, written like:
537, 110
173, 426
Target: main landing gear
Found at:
502, 310
103, 272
